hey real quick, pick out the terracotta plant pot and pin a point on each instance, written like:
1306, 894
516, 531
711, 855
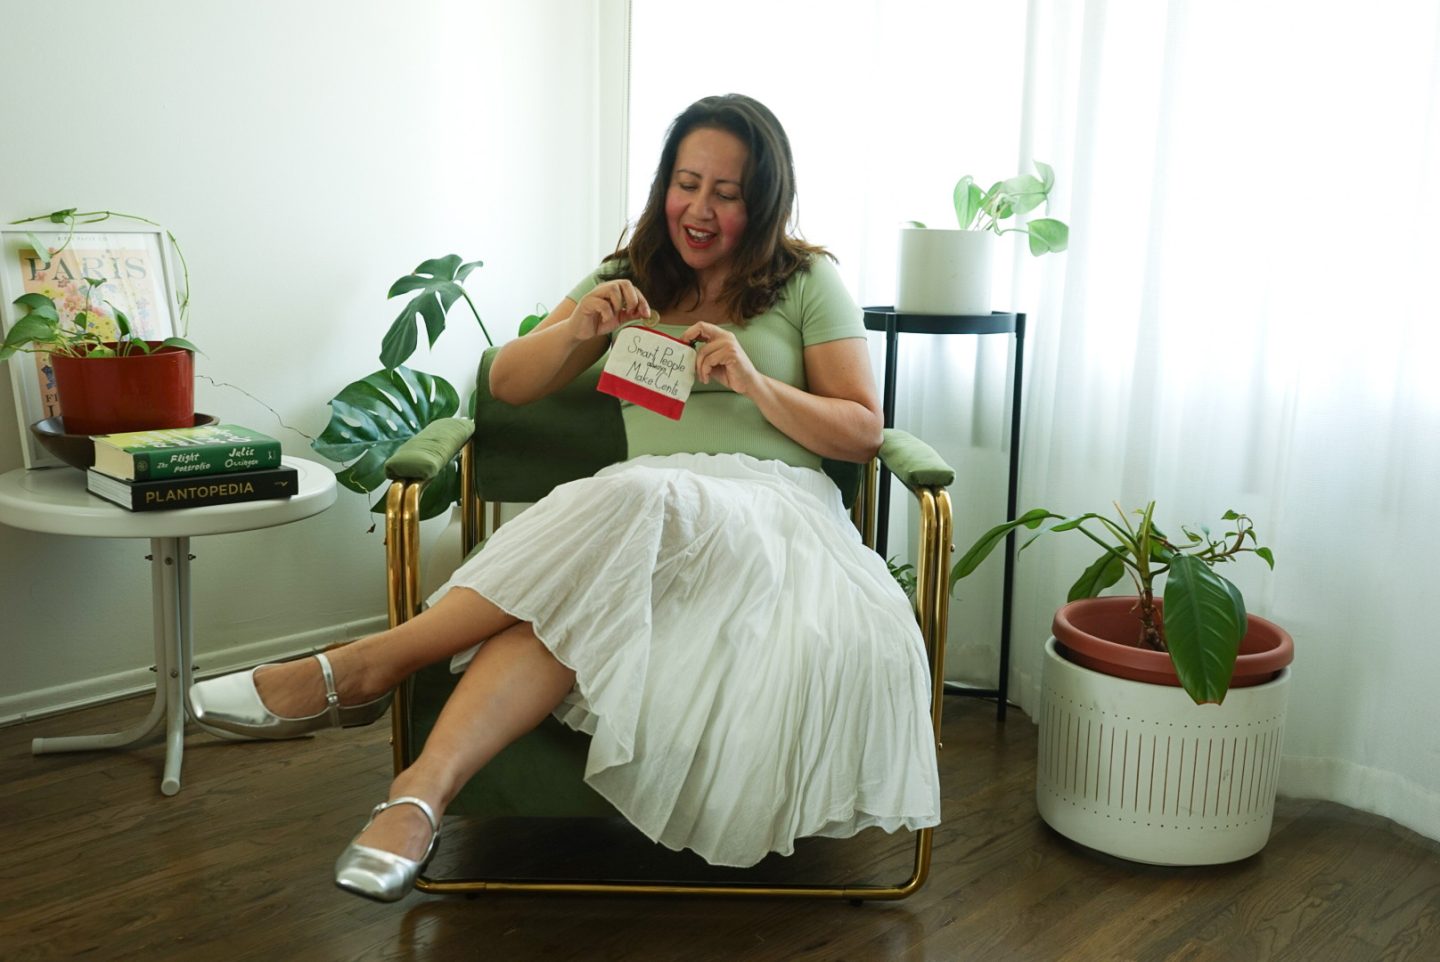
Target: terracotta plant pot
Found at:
1102, 634
136, 392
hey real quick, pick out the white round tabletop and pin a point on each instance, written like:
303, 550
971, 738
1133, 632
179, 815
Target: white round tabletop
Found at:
55, 501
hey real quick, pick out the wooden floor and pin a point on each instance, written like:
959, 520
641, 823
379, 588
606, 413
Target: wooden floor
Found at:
97, 864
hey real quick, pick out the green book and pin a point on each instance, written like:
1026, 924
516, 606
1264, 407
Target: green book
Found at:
184, 452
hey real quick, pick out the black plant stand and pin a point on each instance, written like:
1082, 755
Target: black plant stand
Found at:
894, 323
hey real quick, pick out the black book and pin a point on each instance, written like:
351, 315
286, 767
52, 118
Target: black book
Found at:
169, 493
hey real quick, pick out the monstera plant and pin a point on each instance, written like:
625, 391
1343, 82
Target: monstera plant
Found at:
371, 417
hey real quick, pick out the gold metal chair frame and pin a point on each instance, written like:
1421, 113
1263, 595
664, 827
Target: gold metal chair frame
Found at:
932, 597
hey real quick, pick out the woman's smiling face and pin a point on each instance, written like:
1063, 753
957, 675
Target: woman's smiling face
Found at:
705, 203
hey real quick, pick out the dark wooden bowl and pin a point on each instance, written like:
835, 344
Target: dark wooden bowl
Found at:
77, 450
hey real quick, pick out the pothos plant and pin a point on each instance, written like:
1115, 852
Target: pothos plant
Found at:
977, 209
372, 417
1204, 616
90, 332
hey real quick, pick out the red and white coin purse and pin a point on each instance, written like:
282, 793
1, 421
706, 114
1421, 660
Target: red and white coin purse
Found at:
651, 369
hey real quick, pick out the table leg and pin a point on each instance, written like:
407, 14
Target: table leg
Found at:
175, 591
170, 600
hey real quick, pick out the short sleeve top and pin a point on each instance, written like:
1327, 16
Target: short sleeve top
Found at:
813, 308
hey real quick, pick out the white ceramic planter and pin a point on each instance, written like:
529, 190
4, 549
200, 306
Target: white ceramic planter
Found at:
1141, 772
945, 271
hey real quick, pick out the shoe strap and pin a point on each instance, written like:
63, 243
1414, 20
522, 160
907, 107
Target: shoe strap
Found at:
424, 807
332, 697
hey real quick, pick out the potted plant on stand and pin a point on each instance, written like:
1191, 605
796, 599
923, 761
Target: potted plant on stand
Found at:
947, 271
1161, 719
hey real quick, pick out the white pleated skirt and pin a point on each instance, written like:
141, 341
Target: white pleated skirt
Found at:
748, 671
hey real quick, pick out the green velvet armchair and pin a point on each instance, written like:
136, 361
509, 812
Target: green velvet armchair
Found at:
518, 454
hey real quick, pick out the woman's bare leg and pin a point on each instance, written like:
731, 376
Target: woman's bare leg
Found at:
512, 684
366, 669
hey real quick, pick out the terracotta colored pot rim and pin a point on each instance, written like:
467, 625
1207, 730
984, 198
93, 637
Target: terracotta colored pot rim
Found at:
154, 346
1102, 634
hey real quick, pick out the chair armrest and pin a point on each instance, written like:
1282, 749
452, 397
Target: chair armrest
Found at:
913, 462
423, 456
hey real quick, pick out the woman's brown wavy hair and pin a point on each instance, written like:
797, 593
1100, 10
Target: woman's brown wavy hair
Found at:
767, 255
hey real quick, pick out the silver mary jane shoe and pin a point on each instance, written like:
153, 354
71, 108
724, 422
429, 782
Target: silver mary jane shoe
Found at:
380, 875
231, 704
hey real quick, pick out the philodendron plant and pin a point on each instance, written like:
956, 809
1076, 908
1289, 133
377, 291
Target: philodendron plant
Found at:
1204, 613
984, 210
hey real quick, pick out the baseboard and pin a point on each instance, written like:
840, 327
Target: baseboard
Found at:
58, 699
1364, 788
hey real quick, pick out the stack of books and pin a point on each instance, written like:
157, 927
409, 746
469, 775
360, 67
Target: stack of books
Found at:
189, 468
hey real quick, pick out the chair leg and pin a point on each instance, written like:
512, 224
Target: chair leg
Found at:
402, 580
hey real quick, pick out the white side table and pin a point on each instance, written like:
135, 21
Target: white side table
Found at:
54, 501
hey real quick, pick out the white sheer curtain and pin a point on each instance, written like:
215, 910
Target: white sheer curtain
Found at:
1245, 317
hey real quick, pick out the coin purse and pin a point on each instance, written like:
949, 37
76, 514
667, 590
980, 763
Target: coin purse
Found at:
651, 369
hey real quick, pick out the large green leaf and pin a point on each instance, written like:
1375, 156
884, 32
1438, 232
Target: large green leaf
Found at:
1047, 175
1103, 572
1204, 623
1069, 524
31, 329
967, 196
42, 250
38, 305
437, 283
1025, 193
988, 541
370, 418
1047, 235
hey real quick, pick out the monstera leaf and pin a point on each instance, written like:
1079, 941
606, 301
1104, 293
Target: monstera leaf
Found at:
437, 283
370, 418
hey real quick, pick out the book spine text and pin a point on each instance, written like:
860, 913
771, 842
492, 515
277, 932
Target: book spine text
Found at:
192, 461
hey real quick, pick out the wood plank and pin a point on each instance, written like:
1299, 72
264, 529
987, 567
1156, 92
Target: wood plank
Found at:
98, 864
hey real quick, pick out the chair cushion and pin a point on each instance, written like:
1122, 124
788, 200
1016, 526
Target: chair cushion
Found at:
914, 462
423, 456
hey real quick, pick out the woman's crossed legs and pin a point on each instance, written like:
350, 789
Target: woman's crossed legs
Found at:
509, 688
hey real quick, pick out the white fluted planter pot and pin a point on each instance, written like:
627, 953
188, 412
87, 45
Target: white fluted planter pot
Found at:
1141, 772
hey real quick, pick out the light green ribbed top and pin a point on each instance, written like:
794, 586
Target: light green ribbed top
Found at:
813, 308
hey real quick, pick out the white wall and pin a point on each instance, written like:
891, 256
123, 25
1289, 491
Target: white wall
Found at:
305, 154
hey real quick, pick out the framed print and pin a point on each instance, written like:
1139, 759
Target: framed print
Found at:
133, 262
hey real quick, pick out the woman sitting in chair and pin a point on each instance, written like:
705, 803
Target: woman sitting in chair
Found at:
750, 673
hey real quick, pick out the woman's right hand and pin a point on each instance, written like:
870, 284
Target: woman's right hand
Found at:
605, 308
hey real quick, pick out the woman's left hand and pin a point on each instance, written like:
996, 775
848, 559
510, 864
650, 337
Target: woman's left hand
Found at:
720, 356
